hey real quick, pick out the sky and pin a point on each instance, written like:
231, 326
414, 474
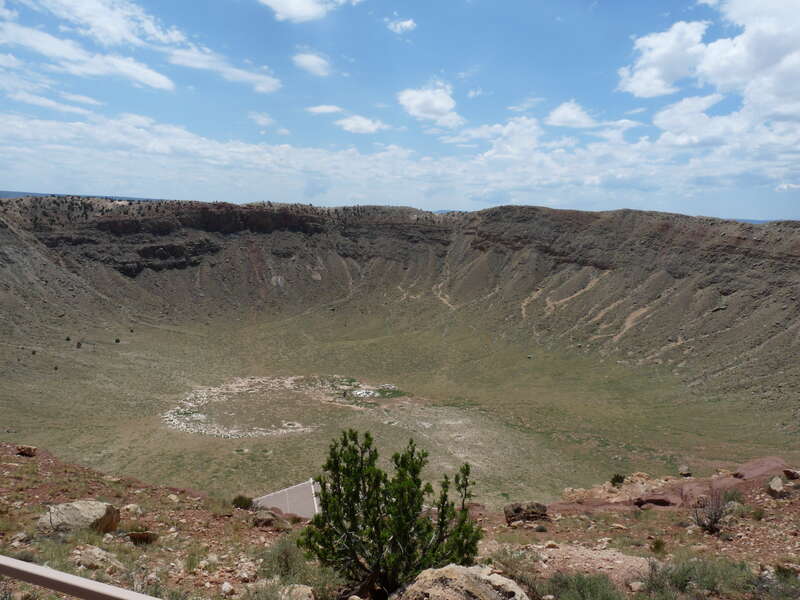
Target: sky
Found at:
688, 106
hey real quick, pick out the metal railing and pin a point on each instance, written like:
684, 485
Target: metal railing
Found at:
72, 585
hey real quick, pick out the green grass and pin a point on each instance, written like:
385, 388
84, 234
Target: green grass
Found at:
286, 562
470, 393
581, 587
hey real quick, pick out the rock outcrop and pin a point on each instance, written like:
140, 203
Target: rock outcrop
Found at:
531, 511
461, 583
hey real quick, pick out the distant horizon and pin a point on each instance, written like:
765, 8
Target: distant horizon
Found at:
10, 194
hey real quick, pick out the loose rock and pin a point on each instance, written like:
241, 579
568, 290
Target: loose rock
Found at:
29, 451
267, 518
83, 514
461, 583
297, 592
775, 487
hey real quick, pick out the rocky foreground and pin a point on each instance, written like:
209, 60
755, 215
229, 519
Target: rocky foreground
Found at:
180, 543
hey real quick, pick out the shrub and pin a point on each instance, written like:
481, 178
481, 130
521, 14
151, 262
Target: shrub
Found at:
758, 513
733, 496
714, 576
243, 502
617, 479
285, 561
709, 514
375, 531
582, 587
519, 566
658, 546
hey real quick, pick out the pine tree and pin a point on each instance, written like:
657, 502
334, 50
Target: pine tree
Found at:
376, 530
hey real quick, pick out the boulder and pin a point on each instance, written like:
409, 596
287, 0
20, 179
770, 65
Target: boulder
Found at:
83, 514
92, 557
532, 511
29, 451
775, 487
684, 471
297, 592
791, 474
267, 518
461, 583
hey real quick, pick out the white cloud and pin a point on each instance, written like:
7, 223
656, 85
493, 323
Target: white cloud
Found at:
29, 98
527, 104
298, 11
70, 57
787, 187
433, 103
205, 59
570, 114
359, 124
313, 63
475, 93
323, 109
110, 22
6, 13
80, 99
135, 155
284, 131
262, 119
664, 58
123, 22
401, 26
9, 61
760, 63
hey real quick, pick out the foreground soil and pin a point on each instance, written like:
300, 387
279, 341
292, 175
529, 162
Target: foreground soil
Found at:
206, 548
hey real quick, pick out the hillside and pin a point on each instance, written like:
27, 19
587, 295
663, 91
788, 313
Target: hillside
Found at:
201, 546
598, 342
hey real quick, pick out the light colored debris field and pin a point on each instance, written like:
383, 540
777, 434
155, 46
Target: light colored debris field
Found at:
248, 407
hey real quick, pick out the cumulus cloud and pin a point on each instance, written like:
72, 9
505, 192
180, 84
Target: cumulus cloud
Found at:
570, 114
36, 100
313, 63
323, 109
70, 57
207, 60
298, 11
359, 124
664, 58
759, 63
433, 103
400, 27
475, 93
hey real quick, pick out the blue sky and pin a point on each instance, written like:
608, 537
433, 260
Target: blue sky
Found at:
688, 106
